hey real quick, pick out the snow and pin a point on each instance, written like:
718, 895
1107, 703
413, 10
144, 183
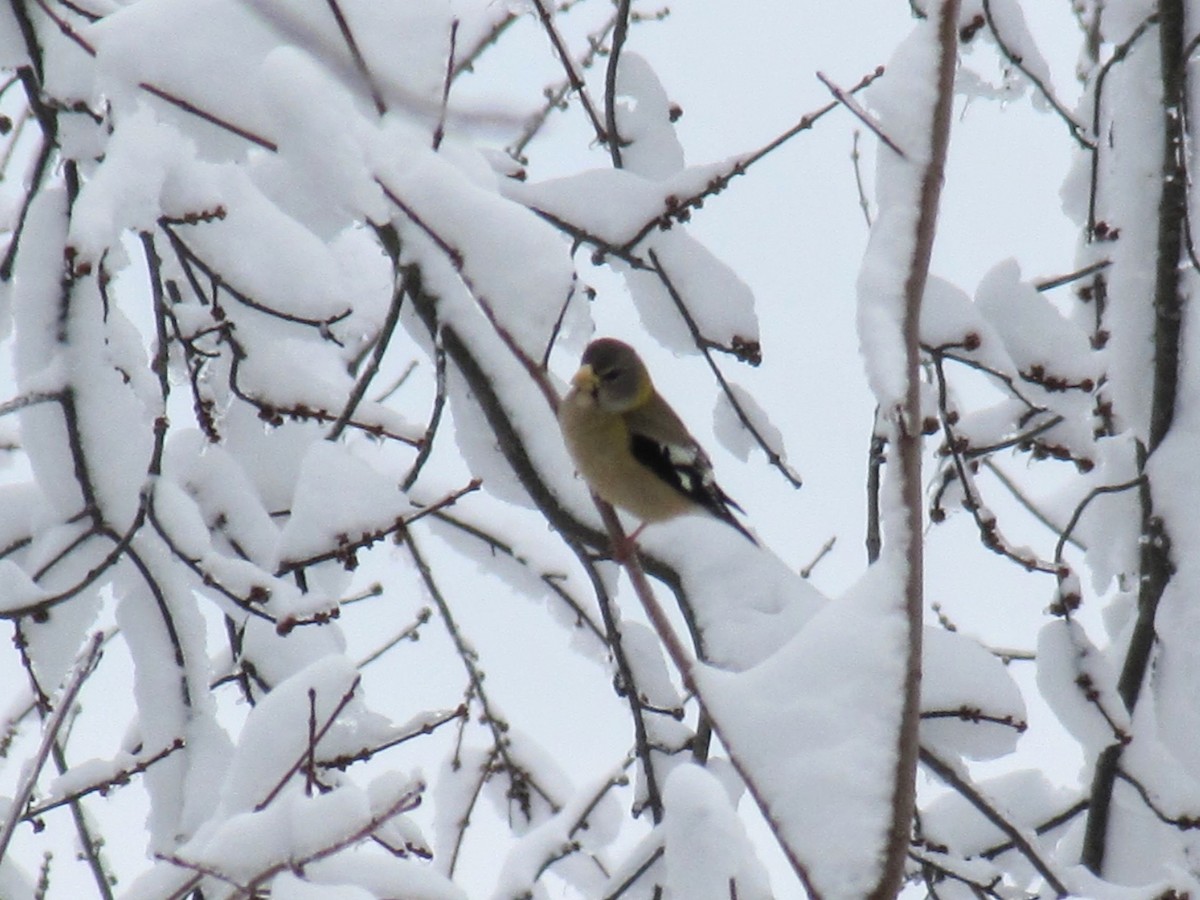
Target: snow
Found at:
208, 53
38, 365
1011, 25
948, 317
339, 498
904, 104
736, 437
1127, 167
162, 713
181, 519
14, 882
716, 299
959, 674
406, 46
804, 689
275, 735
632, 201
263, 253
747, 603
650, 146
1175, 494
103, 398
378, 876
221, 491
321, 172
558, 836
125, 192
53, 645
477, 444
22, 505
826, 766
12, 47
1068, 665
277, 657
248, 843
1109, 526
17, 589
707, 854
952, 821
487, 231
655, 688
1035, 334
289, 887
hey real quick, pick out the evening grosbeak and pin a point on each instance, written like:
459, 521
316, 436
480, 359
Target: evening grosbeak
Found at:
631, 447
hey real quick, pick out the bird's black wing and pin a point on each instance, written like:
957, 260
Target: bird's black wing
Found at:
687, 469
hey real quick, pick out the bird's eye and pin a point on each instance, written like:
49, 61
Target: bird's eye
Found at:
610, 375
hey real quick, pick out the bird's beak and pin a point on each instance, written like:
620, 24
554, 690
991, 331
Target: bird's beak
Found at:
585, 379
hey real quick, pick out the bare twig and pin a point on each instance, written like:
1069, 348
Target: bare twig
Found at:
861, 114
314, 738
360, 63
1048, 284
439, 131
379, 348
435, 416
856, 164
101, 787
521, 780
546, 16
620, 30
972, 795
1078, 132
807, 571
213, 119
84, 666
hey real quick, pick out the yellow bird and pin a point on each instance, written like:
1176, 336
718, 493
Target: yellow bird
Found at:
631, 447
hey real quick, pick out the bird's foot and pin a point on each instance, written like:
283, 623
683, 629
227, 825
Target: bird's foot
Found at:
626, 548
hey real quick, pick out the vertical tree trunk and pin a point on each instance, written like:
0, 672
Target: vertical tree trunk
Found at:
1155, 549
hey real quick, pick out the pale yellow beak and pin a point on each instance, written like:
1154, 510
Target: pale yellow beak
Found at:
585, 379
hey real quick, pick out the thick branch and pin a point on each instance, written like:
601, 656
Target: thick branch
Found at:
1155, 544
908, 453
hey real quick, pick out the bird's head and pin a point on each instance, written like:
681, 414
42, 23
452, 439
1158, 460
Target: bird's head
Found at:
613, 375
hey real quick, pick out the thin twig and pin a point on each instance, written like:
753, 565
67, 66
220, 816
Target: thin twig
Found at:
85, 664
856, 164
122, 777
620, 31
359, 62
972, 795
1047, 284
439, 131
807, 571
774, 456
1078, 132
314, 738
564, 55
386, 330
861, 114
